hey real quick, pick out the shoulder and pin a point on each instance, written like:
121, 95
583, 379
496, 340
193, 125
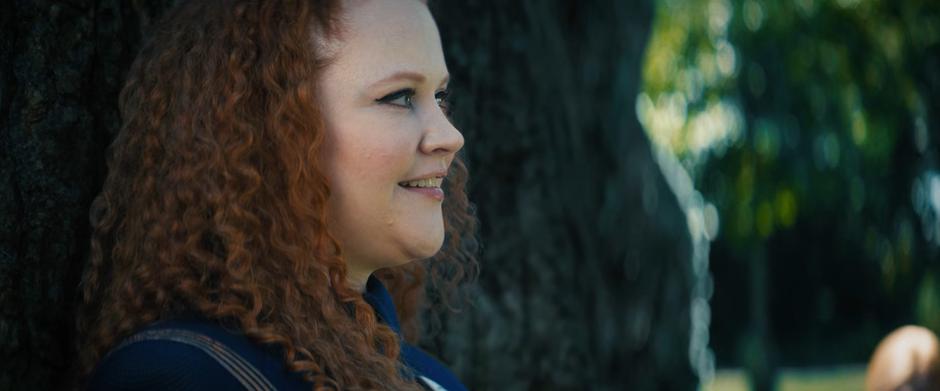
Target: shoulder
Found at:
159, 364
432, 372
190, 355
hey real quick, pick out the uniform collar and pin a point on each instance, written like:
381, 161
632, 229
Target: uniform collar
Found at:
381, 301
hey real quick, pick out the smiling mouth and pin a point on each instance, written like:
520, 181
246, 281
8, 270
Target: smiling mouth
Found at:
423, 183
430, 187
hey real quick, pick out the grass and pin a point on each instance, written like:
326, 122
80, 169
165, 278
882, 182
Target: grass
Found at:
843, 378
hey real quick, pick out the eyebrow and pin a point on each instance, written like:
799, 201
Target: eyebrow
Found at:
408, 75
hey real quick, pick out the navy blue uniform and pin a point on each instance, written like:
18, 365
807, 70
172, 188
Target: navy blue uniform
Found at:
195, 354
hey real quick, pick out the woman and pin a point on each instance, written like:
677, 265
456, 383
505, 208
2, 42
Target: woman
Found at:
278, 196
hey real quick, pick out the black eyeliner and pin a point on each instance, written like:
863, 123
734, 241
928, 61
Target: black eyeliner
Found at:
444, 100
397, 94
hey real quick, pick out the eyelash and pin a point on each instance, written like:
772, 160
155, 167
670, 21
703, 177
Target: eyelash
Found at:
442, 97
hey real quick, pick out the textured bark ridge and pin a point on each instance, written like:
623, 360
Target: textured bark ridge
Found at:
586, 276
61, 68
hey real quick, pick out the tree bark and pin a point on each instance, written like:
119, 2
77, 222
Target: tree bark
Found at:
586, 276
62, 66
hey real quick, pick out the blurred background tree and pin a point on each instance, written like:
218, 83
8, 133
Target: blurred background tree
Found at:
810, 127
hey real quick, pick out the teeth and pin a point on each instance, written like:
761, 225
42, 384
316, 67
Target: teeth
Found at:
432, 182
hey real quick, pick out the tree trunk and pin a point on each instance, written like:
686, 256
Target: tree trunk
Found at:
61, 68
586, 277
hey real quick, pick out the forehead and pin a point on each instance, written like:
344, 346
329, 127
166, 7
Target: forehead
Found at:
382, 36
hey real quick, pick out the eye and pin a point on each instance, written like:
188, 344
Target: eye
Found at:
401, 98
444, 101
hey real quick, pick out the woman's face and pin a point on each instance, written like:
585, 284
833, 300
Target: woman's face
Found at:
386, 135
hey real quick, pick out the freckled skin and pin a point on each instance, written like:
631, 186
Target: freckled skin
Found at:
372, 146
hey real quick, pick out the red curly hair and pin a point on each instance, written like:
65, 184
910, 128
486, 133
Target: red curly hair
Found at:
215, 203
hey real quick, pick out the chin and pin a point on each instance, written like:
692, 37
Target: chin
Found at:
422, 239
426, 247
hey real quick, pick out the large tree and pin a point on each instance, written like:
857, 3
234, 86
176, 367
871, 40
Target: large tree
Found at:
586, 277
586, 264
61, 67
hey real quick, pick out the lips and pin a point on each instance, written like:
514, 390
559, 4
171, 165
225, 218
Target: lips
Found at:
429, 187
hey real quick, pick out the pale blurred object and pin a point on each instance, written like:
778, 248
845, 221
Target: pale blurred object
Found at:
905, 360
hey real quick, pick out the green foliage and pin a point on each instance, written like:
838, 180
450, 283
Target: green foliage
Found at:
928, 301
808, 124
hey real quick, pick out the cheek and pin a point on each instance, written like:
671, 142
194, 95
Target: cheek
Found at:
368, 151
374, 162
370, 159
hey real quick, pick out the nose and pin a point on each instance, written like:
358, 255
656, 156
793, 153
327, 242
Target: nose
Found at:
440, 137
